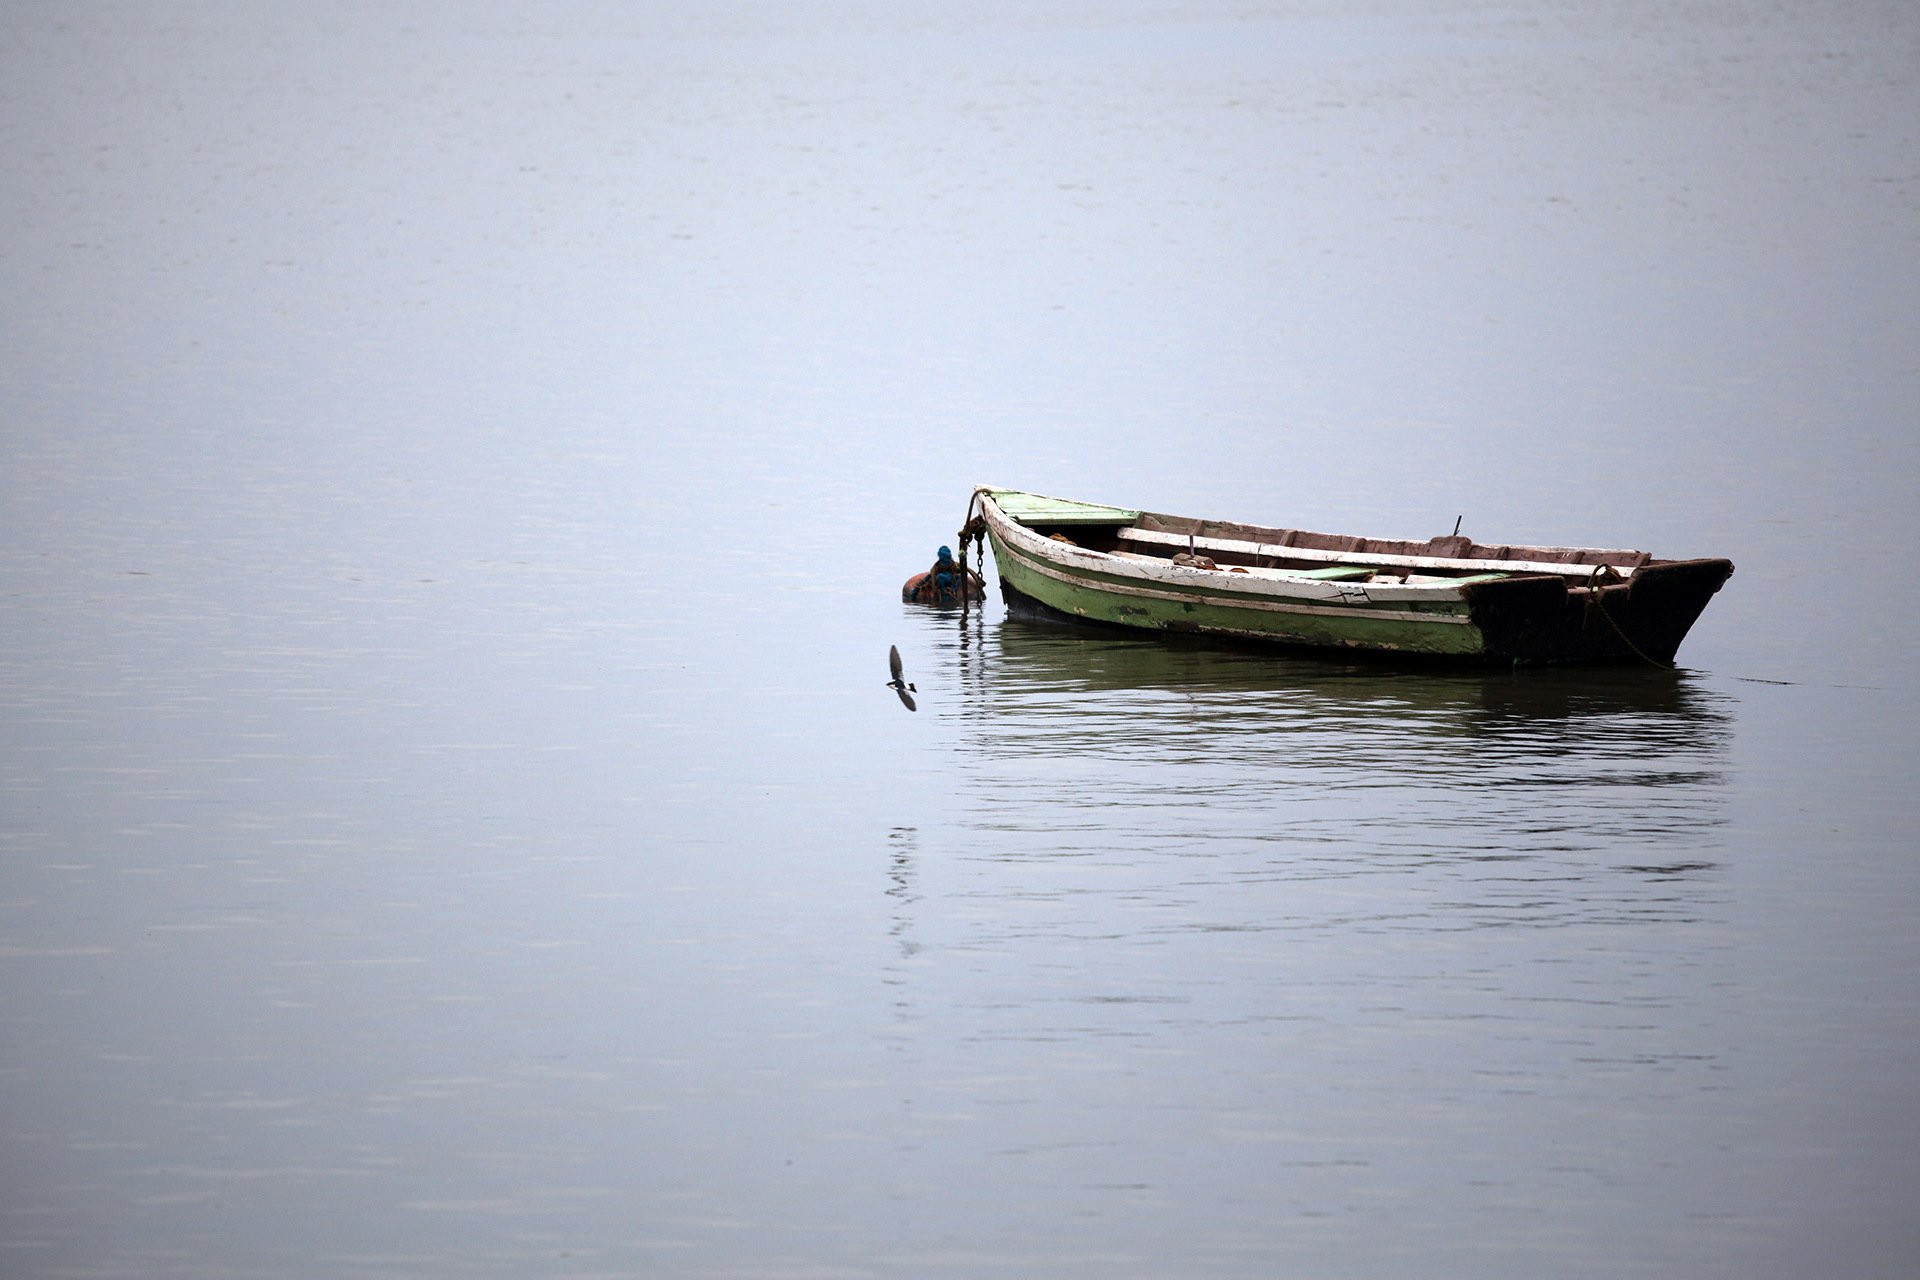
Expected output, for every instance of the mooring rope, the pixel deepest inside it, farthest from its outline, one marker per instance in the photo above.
(1597, 601)
(974, 526)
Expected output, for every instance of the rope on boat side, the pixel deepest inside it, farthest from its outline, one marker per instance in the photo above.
(1597, 602)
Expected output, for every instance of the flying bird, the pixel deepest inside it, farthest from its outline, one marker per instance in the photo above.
(897, 684)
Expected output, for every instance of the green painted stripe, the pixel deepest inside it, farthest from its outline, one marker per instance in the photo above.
(1440, 611)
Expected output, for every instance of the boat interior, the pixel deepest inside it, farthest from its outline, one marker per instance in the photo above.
(1297, 553)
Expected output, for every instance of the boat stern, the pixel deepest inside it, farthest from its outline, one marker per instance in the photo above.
(1540, 619)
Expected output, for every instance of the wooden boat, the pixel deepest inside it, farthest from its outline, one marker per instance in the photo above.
(1447, 597)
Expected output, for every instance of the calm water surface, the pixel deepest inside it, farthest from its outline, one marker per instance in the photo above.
(456, 469)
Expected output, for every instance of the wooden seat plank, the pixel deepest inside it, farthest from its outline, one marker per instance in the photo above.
(1201, 543)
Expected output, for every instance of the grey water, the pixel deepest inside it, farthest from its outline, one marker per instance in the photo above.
(457, 466)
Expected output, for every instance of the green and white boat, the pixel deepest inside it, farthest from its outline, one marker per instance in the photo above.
(1447, 597)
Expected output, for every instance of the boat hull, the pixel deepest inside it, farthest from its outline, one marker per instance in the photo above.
(1518, 619)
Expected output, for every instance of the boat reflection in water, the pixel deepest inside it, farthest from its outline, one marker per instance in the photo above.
(1538, 797)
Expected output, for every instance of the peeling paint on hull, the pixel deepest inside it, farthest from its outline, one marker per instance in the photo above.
(1096, 598)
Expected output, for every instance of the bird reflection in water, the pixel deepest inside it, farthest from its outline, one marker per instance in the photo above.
(902, 846)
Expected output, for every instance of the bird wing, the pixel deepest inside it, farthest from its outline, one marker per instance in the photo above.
(893, 660)
(906, 698)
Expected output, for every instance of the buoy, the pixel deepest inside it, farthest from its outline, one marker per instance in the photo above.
(942, 584)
